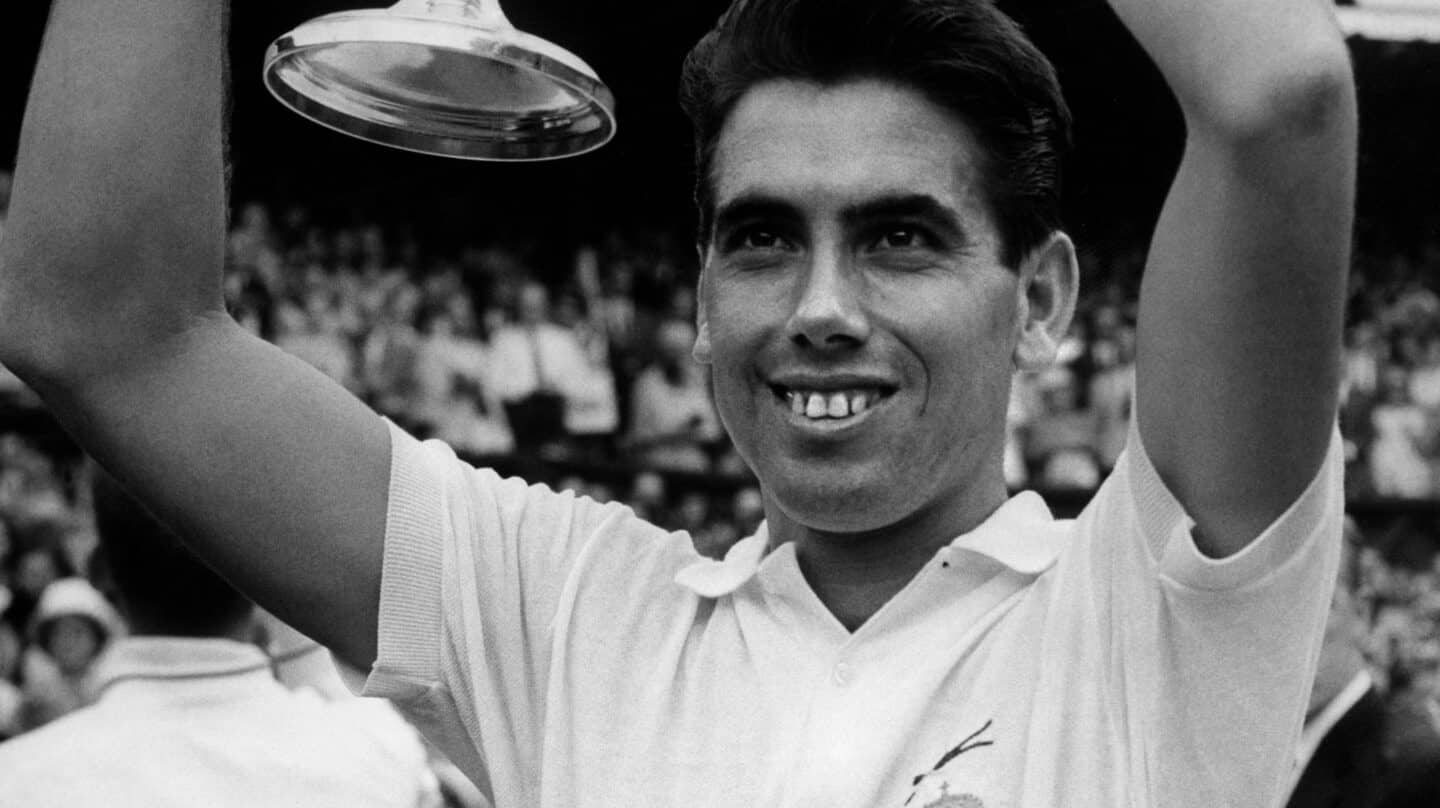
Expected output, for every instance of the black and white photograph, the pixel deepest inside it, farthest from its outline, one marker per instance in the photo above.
(727, 403)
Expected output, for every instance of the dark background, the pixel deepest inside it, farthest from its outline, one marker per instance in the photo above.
(1128, 131)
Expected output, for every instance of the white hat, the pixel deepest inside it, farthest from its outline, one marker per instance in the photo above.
(75, 596)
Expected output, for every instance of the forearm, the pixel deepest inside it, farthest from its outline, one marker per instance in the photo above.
(1246, 66)
(115, 235)
(1241, 306)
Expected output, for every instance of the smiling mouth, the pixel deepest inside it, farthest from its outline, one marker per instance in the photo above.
(830, 405)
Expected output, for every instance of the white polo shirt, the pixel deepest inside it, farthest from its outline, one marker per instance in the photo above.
(202, 722)
(566, 653)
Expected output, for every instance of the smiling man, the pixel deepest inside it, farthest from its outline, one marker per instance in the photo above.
(878, 184)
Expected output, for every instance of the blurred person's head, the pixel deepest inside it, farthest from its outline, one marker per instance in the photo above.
(693, 512)
(160, 586)
(461, 309)
(435, 320)
(347, 248)
(1395, 385)
(72, 624)
(573, 483)
(1057, 390)
(372, 246)
(402, 305)
(747, 508)
(35, 568)
(255, 217)
(647, 490)
(674, 342)
(1107, 317)
(290, 319)
(1364, 334)
(569, 308)
(682, 303)
(1105, 353)
(532, 305)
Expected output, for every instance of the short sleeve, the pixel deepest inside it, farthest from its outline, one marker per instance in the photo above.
(1211, 660)
(475, 567)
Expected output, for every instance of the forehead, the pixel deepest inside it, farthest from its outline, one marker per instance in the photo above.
(821, 144)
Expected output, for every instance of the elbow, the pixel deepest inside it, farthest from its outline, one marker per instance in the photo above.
(1307, 93)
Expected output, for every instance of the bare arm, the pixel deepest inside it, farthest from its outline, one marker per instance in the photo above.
(1242, 302)
(110, 306)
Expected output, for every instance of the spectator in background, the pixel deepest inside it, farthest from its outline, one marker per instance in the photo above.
(252, 237)
(581, 312)
(673, 419)
(29, 571)
(1060, 442)
(389, 355)
(1398, 466)
(313, 333)
(548, 386)
(71, 626)
(189, 712)
(747, 510)
(647, 497)
(456, 391)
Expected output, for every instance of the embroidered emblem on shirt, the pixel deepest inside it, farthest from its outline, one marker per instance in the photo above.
(947, 800)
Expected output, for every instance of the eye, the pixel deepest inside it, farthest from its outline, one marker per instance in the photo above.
(758, 238)
(754, 238)
(901, 238)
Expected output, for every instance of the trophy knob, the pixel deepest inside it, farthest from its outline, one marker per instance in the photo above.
(445, 77)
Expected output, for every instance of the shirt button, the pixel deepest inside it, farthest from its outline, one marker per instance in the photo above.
(843, 674)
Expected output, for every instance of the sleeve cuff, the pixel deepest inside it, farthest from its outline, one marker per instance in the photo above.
(1167, 527)
(407, 662)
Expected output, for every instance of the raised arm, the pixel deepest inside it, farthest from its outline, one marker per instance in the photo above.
(1241, 308)
(110, 307)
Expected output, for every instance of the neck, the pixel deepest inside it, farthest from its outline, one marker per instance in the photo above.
(856, 573)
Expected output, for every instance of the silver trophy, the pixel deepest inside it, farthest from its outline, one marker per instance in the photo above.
(445, 77)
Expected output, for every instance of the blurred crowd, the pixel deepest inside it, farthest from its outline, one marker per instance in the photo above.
(572, 367)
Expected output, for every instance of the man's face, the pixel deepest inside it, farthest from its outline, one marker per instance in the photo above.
(859, 322)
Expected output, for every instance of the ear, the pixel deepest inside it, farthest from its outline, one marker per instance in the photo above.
(701, 351)
(1045, 304)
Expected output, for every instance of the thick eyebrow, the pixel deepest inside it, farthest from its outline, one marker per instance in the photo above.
(759, 206)
(753, 206)
(918, 207)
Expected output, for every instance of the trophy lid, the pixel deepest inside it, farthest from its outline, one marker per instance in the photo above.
(446, 78)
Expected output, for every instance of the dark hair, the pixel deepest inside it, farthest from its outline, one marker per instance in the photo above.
(964, 55)
(160, 585)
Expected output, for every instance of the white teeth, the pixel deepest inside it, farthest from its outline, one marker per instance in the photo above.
(830, 405)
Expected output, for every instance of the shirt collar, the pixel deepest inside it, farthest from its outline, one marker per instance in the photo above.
(711, 578)
(172, 658)
(1021, 534)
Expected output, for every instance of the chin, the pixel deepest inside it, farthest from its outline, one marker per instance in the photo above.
(840, 503)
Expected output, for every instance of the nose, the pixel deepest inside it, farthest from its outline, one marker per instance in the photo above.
(830, 307)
